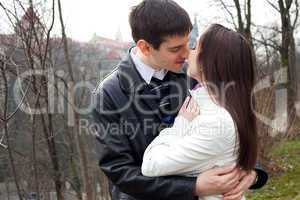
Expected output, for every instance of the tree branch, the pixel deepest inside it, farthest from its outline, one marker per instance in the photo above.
(225, 7)
(288, 4)
(273, 6)
(276, 47)
(248, 15)
(296, 15)
(239, 15)
(276, 29)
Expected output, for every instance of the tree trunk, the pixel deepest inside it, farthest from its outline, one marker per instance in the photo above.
(80, 145)
(5, 115)
(287, 53)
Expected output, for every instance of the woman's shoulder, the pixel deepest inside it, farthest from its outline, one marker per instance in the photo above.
(216, 125)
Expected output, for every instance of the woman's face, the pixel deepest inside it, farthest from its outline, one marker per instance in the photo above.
(194, 70)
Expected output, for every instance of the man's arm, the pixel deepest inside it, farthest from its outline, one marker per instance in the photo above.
(118, 163)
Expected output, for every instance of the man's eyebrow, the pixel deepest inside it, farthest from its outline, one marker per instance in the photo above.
(176, 47)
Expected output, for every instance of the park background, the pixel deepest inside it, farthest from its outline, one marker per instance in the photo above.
(72, 45)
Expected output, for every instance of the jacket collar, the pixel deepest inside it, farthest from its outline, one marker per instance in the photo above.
(130, 79)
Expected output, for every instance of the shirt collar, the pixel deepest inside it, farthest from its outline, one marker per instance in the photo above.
(145, 70)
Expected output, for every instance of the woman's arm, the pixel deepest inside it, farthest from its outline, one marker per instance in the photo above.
(185, 147)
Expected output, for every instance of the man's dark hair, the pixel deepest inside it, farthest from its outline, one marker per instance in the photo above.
(153, 20)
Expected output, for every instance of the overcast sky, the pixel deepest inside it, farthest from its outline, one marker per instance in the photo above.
(83, 18)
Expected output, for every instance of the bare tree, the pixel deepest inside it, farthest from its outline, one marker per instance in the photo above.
(79, 142)
(240, 15)
(289, 15)
(58, 153)
(5, 120)
(33, 38)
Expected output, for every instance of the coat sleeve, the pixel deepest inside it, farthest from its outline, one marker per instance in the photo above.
(262, 177)
(183, 148)
(116, 159)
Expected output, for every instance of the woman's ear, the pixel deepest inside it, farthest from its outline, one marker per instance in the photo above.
(144, 47)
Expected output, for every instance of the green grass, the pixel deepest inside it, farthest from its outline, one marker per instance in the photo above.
(284, 186)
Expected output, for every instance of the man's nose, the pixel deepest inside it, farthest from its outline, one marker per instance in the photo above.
(186, 52)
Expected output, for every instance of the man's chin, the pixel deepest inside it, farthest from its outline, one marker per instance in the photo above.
(176, 68)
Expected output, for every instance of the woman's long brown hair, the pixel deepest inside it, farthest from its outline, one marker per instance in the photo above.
(226, 59)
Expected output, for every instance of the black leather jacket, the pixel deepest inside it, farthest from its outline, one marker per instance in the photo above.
(124, 132)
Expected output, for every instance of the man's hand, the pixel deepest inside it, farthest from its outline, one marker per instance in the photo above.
(218, 181)
(246, 181)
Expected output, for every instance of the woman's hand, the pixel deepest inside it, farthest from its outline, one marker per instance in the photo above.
(189, 110)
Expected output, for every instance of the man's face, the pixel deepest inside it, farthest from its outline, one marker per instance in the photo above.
(171, 54)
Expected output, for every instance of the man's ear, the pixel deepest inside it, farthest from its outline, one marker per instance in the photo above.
(144, 46)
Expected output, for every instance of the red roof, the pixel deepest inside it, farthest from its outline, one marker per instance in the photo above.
(7, 39)
(111, 43)
(113, 55)
(30, 15)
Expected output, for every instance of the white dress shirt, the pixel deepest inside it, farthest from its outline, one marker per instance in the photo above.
(146, 71)
(189, 148)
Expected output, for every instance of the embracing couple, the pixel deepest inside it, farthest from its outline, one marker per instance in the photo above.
(176, 131)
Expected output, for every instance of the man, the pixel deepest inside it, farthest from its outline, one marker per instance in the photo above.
(132, 107)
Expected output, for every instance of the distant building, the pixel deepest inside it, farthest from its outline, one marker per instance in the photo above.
(99, 54)
(109, 43)
(194, 34)
(113, 50)
(119, 37)
(30, 21)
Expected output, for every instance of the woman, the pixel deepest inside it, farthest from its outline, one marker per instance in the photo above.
(216, 126)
